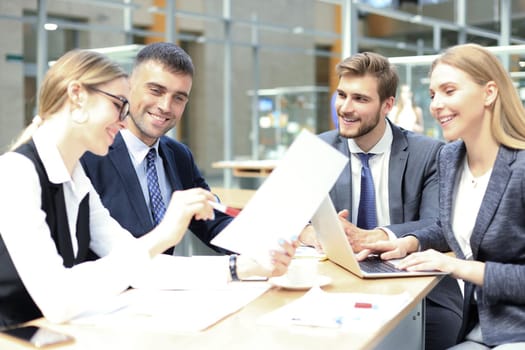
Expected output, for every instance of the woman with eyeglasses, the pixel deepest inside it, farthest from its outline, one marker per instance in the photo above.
(51, 218)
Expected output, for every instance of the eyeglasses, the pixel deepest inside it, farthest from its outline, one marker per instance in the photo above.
(124, 107)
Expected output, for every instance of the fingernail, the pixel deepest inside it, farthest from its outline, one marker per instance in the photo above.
(281, 241)
(295, 238)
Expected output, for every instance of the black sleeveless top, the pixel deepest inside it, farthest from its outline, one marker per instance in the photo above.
(16, 305)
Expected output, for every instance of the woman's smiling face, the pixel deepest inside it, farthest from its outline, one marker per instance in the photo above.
(457, 102)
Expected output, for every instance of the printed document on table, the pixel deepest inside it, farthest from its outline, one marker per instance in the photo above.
(321, 309)
(287, 199)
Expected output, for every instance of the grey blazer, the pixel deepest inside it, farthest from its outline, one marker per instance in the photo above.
(498, 239)
(413, 194)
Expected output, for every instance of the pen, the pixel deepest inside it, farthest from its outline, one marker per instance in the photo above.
(224, 209)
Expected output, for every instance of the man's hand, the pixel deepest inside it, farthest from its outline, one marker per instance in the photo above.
(308, 237)
(357, 236)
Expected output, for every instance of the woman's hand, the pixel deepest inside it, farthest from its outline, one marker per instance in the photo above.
(183, 207)
(428, 260)
(468, 270)
(280, 259)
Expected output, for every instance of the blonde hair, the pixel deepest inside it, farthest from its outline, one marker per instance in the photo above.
(508, 114)
(90, 68)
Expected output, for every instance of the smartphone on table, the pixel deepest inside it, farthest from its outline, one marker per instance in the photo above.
(38, 337)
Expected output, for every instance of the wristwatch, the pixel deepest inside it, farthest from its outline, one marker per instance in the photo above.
(233, 267)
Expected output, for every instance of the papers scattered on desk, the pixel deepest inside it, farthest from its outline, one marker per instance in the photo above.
(318, 308)
(174, 311)
(287, 199)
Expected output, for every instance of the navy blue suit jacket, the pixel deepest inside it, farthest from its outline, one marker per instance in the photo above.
(413, 194)
(116, 181)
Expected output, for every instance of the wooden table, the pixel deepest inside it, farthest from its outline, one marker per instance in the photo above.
(241, 330)
(247, 168)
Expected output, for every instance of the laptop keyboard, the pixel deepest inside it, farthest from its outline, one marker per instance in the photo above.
(374, 264)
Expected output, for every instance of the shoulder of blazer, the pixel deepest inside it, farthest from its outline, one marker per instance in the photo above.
(178, 148)
(409, 140)
(331, 137)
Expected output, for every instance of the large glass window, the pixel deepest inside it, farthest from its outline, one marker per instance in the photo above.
(60, 40)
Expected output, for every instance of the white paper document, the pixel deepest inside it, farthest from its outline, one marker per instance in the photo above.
(287, 199)
(173, 310)
(318, 308)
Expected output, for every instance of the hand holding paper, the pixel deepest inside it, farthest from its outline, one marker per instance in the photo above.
(286, 201)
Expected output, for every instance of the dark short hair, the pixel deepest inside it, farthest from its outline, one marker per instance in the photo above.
(171, 56)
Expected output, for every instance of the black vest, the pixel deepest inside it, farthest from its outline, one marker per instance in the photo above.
(16, 305)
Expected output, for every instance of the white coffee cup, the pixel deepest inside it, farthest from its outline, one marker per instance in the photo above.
(302, 272)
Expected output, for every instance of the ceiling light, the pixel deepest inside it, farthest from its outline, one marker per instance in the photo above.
(50, 26)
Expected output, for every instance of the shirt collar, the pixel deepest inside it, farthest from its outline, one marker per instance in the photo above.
(136, 147)
(382, 146)
(46, 145)
(45, 140)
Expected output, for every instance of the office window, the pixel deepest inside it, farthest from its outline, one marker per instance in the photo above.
(60, 41)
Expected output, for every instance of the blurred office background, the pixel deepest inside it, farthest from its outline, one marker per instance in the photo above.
(264, 69)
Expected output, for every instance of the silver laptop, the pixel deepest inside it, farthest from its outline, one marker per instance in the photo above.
(337, 248)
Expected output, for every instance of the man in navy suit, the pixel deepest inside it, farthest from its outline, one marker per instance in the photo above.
(160, 87)
(403, 167)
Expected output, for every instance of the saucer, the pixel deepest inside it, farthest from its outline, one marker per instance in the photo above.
(284, 282)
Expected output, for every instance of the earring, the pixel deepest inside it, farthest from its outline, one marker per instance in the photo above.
(79, 115)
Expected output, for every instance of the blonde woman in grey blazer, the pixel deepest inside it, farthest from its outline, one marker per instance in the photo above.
(482, 197)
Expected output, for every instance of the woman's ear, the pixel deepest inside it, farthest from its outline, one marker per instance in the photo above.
(491, 93)
(76, 93)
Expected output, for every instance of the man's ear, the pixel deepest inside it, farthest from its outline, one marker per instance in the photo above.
(388, 104)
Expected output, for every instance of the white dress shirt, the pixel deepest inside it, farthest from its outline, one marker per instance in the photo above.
(138, 151)
(379, 167)
(467, 201)
(62, 293)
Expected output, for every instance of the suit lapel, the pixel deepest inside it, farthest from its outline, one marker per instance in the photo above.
(170, 165)
(341, 193)
(119, 156)
(450, 162)
(397, 165)
(499, 179)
